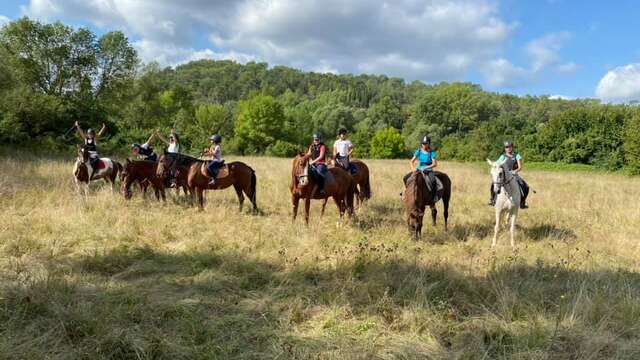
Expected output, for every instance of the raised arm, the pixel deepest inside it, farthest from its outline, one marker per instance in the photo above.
(150, 139)
(162, 138)
(80, 132)
(103, 129)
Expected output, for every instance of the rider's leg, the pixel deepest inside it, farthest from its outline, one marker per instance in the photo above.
(212, 169)
(433, 184)
(525, 192)
(492, 198)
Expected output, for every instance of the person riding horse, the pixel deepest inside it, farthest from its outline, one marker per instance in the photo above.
(173, 147)
(317, 151)
(426, 161)
(90, 139)
(342, 150)
(215, 151)
(145, 151)
(512, 163)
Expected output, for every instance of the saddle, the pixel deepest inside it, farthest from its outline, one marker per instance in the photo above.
(439, 186)
(223, 170)
(345, 164)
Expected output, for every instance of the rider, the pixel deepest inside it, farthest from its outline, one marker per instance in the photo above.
(173, 147)
(513, 163)
(90, 139)
(215, 151)
(426, 159)
(317, 151)
(342, 150)
(145, 151)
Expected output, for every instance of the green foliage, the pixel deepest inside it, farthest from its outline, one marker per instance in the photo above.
(387, 144)
(283, 149)
(259, 124)
(632, 143)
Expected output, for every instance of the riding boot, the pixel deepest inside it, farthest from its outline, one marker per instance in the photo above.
(492, 198)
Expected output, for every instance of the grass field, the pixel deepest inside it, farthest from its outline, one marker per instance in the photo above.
(142, 280)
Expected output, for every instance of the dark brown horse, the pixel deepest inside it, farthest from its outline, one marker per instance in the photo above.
(106, 169)
(417, 197)
(361, 178)
(142, 172)
(236, 173)
(339, 185)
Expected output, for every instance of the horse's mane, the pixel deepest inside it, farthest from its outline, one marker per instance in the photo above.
(415, 189)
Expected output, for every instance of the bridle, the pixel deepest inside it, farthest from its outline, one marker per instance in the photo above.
(502, 179)
(303, 178)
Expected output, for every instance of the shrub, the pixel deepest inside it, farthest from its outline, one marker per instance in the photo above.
(387, 144)
(282, 149)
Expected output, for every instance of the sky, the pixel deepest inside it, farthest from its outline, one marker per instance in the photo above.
(560, 48)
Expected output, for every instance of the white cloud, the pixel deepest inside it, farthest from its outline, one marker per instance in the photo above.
(561, 97)
(568, 68)
(544, 50)
(433, 40)
(4, 20)
(502, 73)
(621, 84)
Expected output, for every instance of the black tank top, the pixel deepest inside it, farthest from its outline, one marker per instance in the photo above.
(90, 144)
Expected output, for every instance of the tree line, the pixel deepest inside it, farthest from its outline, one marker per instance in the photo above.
(52, 75)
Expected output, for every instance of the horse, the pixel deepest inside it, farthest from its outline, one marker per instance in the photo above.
(236, 173)
(505, 185)
(361, 179)
(107, 169)
(417, 196)
(144, 173)
(339, 185)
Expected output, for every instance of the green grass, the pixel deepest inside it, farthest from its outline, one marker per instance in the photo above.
(130, 280)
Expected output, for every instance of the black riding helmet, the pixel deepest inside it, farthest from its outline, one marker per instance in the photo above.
(135, 146)
(317, 136)
(426, 140)
(91, 132)
(216, 138)
(342, 131)
(508, 143)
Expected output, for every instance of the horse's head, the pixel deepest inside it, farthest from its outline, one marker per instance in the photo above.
(414, 203)
(300, 171)
(82, 154)
(126, 179)
(498, 174)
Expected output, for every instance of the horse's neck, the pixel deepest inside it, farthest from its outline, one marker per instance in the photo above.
(511, 188)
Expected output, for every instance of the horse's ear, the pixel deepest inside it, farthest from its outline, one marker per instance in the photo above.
(489, 162)
(128, 161)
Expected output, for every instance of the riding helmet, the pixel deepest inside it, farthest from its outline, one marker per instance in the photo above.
(508, 143)
(216, 138)
(317, 136)
(426, 140)
(342, 131)
(135, 145)
(91, 132)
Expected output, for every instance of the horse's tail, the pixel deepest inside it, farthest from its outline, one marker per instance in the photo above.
(365, 191)
(117, 167)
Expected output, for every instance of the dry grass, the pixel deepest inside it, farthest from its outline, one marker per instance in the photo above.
(117, 279)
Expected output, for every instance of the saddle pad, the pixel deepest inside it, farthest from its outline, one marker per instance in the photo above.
(223, 171)
(101, 164)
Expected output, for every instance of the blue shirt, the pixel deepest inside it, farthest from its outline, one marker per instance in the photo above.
(425, 158)
(503, 157)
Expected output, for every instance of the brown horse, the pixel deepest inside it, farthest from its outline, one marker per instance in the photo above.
(339, 185)
(107, 169)
(417, 196)
(144, 173)
(238, 174)
(361, 179)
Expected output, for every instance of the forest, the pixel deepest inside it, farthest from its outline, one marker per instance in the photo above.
(52, 75)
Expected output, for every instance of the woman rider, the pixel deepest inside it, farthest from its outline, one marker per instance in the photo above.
(90, 139)
(342, 150)
(215, 151)
(173, 147)
(426, 161)
(317, 152)
(145, 151)
(513, 163)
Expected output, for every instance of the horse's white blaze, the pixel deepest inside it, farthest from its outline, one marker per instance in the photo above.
(507, 199)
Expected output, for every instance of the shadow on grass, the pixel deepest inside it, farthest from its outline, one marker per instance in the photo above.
(136, 302)
(545, 231)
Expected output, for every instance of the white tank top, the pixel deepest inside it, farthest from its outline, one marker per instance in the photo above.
(173, 148)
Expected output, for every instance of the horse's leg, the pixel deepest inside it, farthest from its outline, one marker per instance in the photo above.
(434, 213)
(512, 225)
(200, 195)
(341, 207)
(496, 228)
(324, 205)
(307, 206)
(238, 190)
(295, 201)
(445, 202)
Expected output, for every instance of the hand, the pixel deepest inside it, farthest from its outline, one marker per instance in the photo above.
(76, 124)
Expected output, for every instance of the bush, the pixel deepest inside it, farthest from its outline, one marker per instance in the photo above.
(387, 144)
(632, 144)
(282, 149)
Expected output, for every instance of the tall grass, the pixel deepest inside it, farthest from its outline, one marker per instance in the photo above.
(139, 279)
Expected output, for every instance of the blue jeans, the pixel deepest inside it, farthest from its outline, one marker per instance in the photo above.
(213, 168)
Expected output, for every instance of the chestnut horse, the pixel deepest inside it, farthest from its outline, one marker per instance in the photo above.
(107, 169)
(339, 185)
(361, 178)
(144, 173)
(236, 173)
(417, 196)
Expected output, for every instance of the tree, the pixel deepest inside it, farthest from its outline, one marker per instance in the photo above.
(386, 113)
(632, 143)
(259, 124)
(387, 144)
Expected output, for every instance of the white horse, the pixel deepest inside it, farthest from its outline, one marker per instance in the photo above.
(507, 190)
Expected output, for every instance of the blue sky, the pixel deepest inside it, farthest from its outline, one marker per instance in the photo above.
(544, 47)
